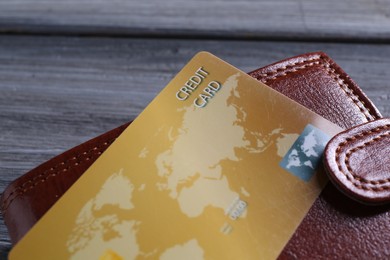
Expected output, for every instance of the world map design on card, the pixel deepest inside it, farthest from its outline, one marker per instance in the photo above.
(218, 166)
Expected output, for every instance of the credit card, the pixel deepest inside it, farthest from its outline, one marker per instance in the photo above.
(218, 166)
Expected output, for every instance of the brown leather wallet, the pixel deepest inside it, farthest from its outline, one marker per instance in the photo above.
(335, 227)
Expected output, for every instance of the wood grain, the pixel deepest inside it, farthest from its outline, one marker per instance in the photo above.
(349, 20)
(56, 92)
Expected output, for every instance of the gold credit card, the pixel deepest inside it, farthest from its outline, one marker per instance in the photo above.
(218, 166)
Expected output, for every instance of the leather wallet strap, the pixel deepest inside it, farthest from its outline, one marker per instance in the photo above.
(358, 162)
(335, 227)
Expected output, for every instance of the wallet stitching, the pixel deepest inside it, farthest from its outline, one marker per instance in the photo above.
(46, 175)
(350, 92)
(354, 179)
(333, 73)
(312, 61)
(285, 67)
(292, 68)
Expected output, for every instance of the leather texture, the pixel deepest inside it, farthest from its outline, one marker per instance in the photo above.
(335, 226)
(358, 162)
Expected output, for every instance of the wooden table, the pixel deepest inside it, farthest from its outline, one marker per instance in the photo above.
(71, 70)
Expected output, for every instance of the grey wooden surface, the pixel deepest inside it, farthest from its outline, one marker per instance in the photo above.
(70, 70)
(350, 20)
